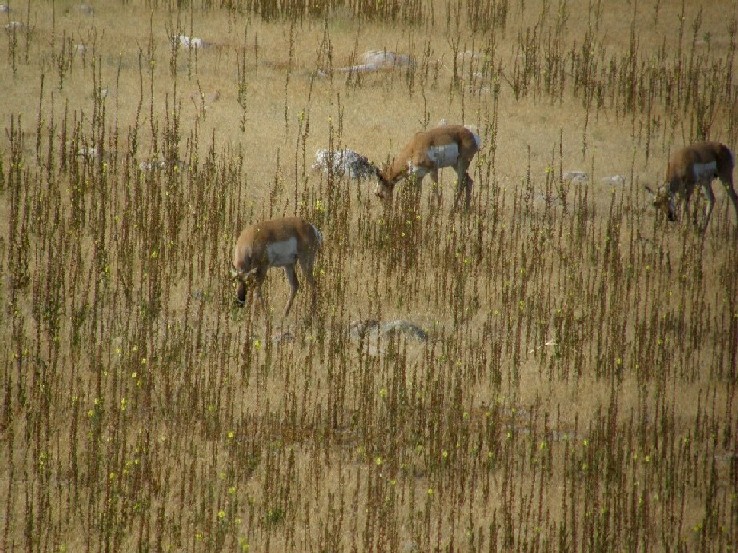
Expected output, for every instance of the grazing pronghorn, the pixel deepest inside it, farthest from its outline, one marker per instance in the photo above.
(427, 152)
(697, 164)
(275, 243)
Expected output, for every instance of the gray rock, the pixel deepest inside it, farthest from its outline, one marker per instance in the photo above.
(579, 177)
(85, 9)
(343, 162)
(375, 60)
(283, 337)
(371, 328)
(404, 327)
(190, 42)
(359, 329)
(617, 180)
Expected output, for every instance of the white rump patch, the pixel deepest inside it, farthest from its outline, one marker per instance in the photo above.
(704, 171)
(318, 234)
(416, 170)
(282, 253)
(444, 156)
(477, 140)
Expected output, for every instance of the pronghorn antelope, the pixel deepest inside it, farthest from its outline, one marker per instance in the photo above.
(427, 152)
(275, 243)
(697, 164)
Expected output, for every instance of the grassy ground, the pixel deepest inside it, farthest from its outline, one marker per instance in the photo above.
(576, 386)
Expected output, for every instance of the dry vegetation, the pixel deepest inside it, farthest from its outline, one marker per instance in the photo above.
(576, 385)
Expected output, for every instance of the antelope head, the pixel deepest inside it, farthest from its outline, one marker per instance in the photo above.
(663, 201)
(241, 281)
(384, 186)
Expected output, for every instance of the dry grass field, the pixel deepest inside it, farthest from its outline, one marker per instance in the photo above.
(553, 369)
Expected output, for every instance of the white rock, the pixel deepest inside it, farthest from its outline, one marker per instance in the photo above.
(384, 58)
(85, 9)
(344, 162)
(190, 42)
(159, 165)
(88, 152)
(575, 176)
(470, 55)
(375, 60)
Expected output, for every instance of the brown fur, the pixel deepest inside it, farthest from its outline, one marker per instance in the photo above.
(251, 259)
(681, 183)
(416, 152)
